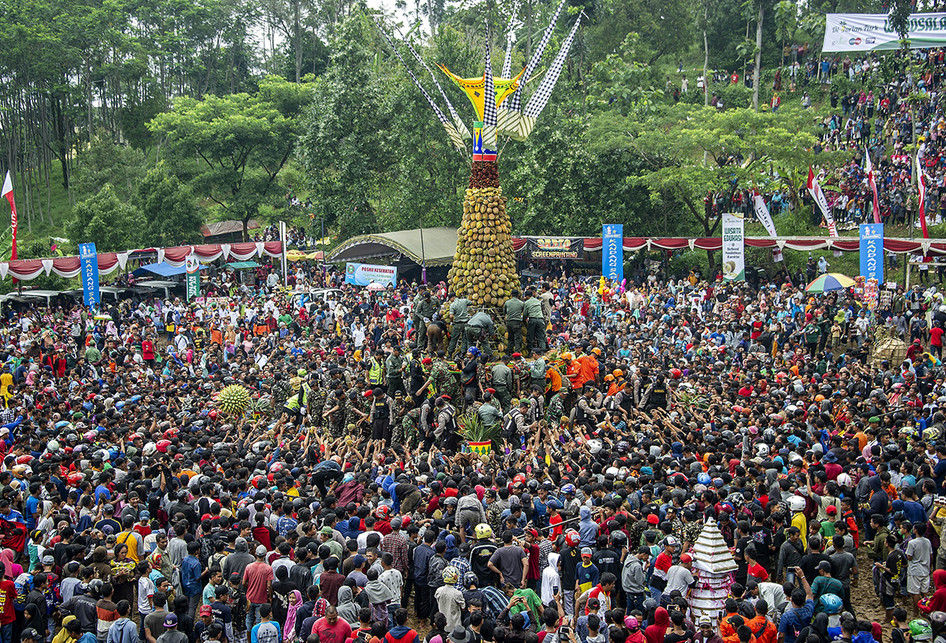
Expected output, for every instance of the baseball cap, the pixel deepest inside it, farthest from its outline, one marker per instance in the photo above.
(261, 550)
(824, 566)
(671, 541)
(586, 551)
(29, 633)
(170, 620)
(705, 620)
(48, 560)
(326, 531)
(206, 610)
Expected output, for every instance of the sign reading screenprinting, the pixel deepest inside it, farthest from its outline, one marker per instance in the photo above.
(362, 274)
(89, 269)
(555, 247)
(734, 248)
(873, 32)
(612, 251)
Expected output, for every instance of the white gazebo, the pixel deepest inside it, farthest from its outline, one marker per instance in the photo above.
(714, 566)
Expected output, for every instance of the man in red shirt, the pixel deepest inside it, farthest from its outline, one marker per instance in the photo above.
(936, 340)
(330, 628)
(7, 613)
(662, 565)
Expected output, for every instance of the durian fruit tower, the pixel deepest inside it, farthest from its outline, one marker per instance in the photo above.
(484, 266)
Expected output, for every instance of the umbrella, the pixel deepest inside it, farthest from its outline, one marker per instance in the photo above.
(375, 286)
(830, 281)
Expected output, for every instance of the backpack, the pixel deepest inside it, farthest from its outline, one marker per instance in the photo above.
(23, 584)
(509, 422)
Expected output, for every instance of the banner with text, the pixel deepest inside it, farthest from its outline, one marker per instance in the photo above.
(873, 32)
(555, 247)
(362, 274)
(192, 268)
(872, 260)
(612, 251)
(734, 247)
(89, 269)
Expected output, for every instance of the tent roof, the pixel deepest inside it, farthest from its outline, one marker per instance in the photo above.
(227, 227)
(439, 246)
(162, 269)
(242, 265)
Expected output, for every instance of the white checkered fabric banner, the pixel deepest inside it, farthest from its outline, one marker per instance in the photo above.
(515, 101)
(540, 98)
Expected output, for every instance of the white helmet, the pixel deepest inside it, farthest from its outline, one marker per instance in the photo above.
(762, 449)
(53, 446)
(796, 503)
(594, 446)
(611, 471)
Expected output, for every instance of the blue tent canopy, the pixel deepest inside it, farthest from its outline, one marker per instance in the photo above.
(163, 269)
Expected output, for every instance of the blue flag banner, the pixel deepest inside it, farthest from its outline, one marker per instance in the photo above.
(612, 251)
(872, 251)
(89, 269)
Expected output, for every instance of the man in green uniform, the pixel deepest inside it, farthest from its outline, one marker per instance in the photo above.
(478, 331)
(425, 306)
(460, 312)
(407, 431)
(501, 376)
(554, 411)
(488, 412)
(355, 413)
(442, 380)
(395, 367)
(535, 323)
(514, 309)
(335, 410)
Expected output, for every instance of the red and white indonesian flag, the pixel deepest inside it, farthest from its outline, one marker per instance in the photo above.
(8, 193)
(818, 195)
(921, 185)
(869, 168)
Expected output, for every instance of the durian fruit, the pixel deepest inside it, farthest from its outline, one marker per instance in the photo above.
(484, 266)
(234, 400)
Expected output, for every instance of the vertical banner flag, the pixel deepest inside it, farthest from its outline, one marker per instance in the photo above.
(869, 169)
(89, 269)
(285, 267)
(734, 247)
(192, 267)
(921, 185)
(612, 251)
(872, 260)
(872, 251)
(8, 193)
(814, 189)
(762, 214)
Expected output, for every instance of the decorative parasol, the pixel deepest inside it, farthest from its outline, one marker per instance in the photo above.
(830, 281)
(374, 286)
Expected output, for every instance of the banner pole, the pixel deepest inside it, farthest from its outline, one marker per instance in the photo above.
(285, 267)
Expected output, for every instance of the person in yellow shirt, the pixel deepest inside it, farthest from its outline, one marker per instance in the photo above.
(6, 386)
(796, 505)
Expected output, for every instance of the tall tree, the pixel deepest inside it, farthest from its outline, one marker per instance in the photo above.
(241, 143)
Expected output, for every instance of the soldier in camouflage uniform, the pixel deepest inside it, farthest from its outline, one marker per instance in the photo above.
(442, 379)
(407, 432)
(281, 391)
(335, 405)
(317, 399)
(554, 411)
(355, 413)
(520, 377)
(495, 509)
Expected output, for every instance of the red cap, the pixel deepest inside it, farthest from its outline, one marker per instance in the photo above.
(532, 531)
(206, 610)
(831, 510)
(653, 519)
(686, 558)
(426, 361)
(517, 354)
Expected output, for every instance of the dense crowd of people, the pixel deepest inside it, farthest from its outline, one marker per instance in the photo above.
(344, 505)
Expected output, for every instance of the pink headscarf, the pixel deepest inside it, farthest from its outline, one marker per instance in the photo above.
(289, 632)
(9, 567)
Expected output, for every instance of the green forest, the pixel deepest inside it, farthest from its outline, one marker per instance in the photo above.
(133, 122)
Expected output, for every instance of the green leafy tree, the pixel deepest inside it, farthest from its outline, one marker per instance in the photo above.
(169, 208)
(345, 147)
(241, 143)
(108, 221)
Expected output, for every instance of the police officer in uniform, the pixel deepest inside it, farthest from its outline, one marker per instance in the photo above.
(381, 416)
(656, 396)
(587, 411)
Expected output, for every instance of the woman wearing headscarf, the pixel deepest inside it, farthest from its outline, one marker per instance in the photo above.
(817, 632)
(655, 633)
(295, 602)
(937, 602)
